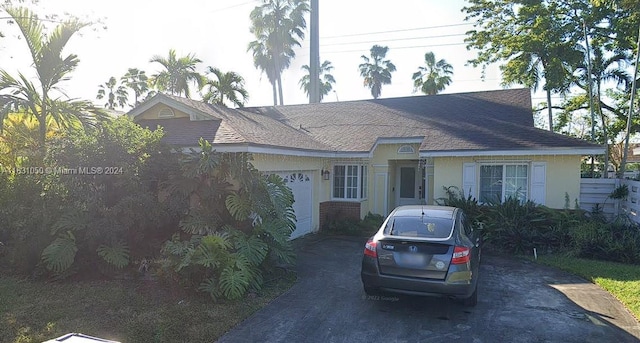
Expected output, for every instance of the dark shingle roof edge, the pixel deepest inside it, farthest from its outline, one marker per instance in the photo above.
(288, 151)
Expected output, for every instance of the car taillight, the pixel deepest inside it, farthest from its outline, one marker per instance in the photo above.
(370, 248)
(461, 255)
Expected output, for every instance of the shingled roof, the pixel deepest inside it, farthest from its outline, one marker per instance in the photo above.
(486, 121)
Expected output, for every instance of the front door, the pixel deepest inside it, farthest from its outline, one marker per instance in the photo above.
(408, 185)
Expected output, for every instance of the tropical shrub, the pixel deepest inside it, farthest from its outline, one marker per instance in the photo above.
(618, 241)
(353, 227)
(237, 224)
(105, 210)
(456, 198)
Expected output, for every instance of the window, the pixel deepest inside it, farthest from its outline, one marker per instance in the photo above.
(350, 181)
(406, 149)
(500, 182)
(165, 113)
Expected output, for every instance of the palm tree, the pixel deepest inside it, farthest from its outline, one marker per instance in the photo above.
(376, 71)
(227, 86)
(43, 99)
(116, 96)
(433, 77)
(262, 61)
(178, 73)
(326, 80)
(604, 68)
(137, 81)
(278, 26)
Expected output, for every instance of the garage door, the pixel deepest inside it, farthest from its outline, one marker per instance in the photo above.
(301, 184)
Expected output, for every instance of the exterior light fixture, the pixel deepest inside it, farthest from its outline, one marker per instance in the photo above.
(325, 174)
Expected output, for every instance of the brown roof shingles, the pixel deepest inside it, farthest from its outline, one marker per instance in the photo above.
(491, 120)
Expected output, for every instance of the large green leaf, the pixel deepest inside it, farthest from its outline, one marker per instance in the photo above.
(60, 254)
(213, 251)
(210, 285)
(116, 254)
(239, 205)
(253, 248)
(71, 221)
(233, 282)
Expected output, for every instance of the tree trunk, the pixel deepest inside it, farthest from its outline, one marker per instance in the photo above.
(275, 93)
(280, 88)
(42, 126)
(278, 72)
(550, 111)
(605, 171)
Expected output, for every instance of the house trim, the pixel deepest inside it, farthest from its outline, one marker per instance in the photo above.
(194, 114)
(544, 152)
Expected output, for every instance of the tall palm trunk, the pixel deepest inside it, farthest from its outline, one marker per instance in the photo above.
(275, 92)
(276, 62)
(280, 89)
(605, 172)
(42, 125)
(550, 111)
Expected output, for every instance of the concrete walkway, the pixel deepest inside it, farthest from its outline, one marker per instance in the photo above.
(519, 301)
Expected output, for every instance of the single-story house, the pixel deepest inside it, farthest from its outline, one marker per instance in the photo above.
(346, 159)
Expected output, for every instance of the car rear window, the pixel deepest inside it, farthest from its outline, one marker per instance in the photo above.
(423, 227)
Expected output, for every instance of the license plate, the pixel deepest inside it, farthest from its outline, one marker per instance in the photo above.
(411, 259)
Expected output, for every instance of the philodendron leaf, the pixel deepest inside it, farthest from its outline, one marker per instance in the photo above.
(117, 254)
(60, 254)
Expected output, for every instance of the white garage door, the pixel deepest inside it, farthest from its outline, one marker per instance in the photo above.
(301, 184)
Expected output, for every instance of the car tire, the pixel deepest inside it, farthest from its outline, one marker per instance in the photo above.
(472, 300)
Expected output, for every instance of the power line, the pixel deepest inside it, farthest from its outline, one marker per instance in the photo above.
(394, 40)
(399, 30)
(395, 48)
(230, 7)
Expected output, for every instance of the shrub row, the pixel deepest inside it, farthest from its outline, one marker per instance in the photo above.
(514, 226)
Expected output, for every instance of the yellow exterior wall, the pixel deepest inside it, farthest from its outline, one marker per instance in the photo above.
(562, 175)
(152, 113)
(384, 160)
(386, 152)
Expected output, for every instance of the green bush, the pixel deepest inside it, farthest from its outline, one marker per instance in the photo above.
(617, 241)
(352, 227)
(456, 198)
(236, 228)
(519, 227)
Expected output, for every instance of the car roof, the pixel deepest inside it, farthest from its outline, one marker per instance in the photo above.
(444, 212)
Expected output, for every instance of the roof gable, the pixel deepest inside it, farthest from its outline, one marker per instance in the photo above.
(499, 120)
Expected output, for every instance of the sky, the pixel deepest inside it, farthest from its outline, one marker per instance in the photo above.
(131, 32)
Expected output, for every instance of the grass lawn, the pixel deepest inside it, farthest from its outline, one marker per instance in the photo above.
(127, 311)
(621, 280)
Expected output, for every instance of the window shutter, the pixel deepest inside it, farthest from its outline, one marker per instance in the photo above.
(538, 182)
(469, 179)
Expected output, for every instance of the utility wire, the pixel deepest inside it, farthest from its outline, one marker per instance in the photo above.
(394, 40)
(230, 7)
(395, 48)
(399, 30)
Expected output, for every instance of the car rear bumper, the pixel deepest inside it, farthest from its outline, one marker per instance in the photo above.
(371, 278)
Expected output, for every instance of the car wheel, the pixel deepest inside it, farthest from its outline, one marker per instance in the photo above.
(473, 299)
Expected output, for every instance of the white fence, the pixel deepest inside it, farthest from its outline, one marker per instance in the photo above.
(595, 192)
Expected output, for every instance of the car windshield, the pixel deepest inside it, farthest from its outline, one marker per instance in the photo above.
(423, 227)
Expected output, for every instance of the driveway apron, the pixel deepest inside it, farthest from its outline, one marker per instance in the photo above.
(518, 301)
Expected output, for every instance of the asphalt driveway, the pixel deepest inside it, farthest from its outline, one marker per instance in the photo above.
(518, 301)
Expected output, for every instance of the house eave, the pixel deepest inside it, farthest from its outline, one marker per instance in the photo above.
(554, 151)
(286, 151)
(160, 98)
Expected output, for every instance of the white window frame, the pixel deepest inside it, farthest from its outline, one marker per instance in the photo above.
(504, 165)
(361, 182)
